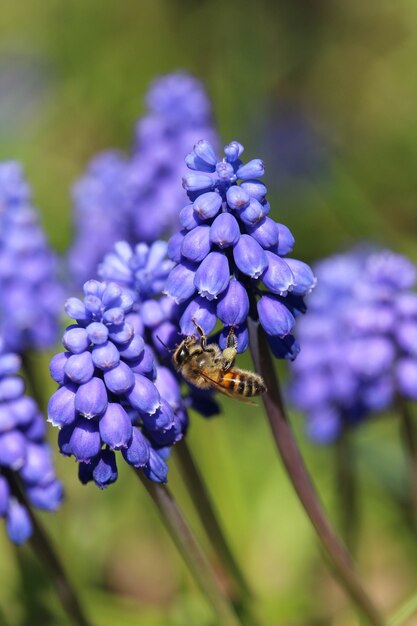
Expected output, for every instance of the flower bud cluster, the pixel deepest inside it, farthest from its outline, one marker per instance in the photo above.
(108, 399)
(359, 341)
(229, 254)
(24, 453)
(30, 294)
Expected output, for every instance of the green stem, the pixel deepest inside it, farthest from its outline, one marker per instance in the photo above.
(409, 438)
(190, 551)
(347, 492)
(299, 476)
(46, 553)
(209, 520)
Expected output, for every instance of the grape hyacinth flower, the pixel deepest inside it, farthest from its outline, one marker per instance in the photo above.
(229, 254)
(179, 114)
(23, 452)
(359, 341)
(107, 399)
(30, 294)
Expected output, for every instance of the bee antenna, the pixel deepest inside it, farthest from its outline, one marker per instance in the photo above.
(164, 344)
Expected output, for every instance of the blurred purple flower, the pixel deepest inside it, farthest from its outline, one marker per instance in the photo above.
(359, 341)
(30, 294)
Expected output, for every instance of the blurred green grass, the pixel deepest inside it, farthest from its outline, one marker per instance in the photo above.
(348, 70)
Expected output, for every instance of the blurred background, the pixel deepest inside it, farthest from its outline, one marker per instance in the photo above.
(326, 93)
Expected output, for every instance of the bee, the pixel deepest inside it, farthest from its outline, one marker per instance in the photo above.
(209, 367)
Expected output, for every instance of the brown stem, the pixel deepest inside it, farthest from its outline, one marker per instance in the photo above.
(346, 486)
(190, 551)
(299, 476)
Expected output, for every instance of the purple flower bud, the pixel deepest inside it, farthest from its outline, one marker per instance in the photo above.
(122, 333)
(79, 367)
(197, 182)
(174, 246)
(57, 367)
(203, 312)
(189, 218)
(151, 313)
(255, 188)
(224, 231)
(225, 172)
(406, 335)
(207, 205)
(237, 197)
(251, 169)
(105, 469)
(64, 438)
(93, 305)
(407, 377)
(233, 307)
(165, 335)
(324, 425)
(76, 339)
(9, 364)
(304, 279)
(38, 467)
(278, 277)
(196, 243)
(47, 497)
(144, 396)
(233, 150)
(114, 316)
(13, 449)
(274, 316)
(91, 398)
(11, 387)
(145, 364)
(105, 356)
(253, 213)
(133, 349)
(212, 275)
(4, 496)
(205, 152)
(156, 469)
(97, 332)
(75, 308)
(180, 284)
(18, 524)
(265, 232)
(138, 451)
(61, 406)
(120, 379)
(168, 387)
(115, 427)
(162, 420)
(249, 257)
(406, 304)
(285, 240)
(242, 338)
(85, 441)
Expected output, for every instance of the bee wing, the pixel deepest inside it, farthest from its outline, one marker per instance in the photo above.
(225, 391)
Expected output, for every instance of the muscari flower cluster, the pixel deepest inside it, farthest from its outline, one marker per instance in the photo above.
(359, 341)
(30, 293)
(108, 399)
(137, 197)
(229, 254)
(24, 452)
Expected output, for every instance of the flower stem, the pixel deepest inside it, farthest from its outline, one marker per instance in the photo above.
(299, 476)
(347, 492)
(46, 553)
(409, 438)
(190, 551)
(403, 614)
(201, 498)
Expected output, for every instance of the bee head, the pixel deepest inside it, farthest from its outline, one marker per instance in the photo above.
(181, 353)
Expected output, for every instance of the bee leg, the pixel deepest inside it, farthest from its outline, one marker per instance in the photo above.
(203, 338)
(229, 353)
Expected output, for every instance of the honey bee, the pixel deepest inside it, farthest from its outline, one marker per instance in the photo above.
(209, 367)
